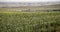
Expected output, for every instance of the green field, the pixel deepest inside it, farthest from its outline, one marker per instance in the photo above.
(30, 22)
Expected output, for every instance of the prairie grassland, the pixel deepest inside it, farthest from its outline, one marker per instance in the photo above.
(29, 21)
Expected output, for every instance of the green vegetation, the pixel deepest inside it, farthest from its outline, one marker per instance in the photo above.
(30, 22)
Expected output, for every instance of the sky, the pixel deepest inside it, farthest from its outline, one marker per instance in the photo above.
(29, 0)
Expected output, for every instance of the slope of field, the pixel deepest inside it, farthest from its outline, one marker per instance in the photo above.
(32, 8)
(30, 22)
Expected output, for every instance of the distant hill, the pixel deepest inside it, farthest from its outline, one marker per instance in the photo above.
(29, 4)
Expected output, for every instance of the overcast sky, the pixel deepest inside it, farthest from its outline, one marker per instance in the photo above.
(28, 0)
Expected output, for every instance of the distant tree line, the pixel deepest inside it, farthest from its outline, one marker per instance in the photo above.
(57, 10)
(30, 10)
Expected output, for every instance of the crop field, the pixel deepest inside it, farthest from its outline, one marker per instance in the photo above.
(30, 22)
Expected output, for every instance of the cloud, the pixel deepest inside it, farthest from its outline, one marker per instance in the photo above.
(28, 0)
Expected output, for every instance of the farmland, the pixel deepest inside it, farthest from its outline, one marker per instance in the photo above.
(28, 8)
(29, 17)
(29, 21)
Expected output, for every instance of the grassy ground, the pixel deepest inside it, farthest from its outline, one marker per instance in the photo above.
(30, 22)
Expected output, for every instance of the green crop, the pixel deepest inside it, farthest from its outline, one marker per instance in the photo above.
(30, 22)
